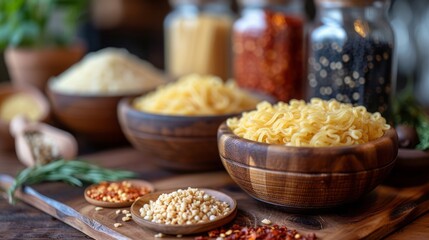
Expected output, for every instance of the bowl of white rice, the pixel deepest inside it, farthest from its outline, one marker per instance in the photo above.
(85, 97)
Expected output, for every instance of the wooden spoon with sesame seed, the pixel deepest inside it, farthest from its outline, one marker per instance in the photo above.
(184, 229)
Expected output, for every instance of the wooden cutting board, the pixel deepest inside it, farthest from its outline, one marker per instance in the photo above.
(383, 211)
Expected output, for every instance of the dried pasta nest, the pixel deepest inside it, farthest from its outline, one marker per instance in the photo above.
(318, 123)
(196, 95)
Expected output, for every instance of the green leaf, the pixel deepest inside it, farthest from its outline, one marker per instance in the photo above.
(408, 111)
(27, 22)
(72, 172)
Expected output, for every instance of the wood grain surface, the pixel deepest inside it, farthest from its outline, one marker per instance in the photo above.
(307, 178)
(168, 125)
(176, 142)
(90, 116)
(340, 159)
(305, 192)
(382, 212)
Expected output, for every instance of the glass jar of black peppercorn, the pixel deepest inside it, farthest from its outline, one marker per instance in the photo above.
(351, 54)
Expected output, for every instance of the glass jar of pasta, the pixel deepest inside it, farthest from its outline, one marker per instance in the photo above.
(197, 38)
(351, 54)
(268, 47)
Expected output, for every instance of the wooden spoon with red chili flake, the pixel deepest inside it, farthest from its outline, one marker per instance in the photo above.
(117, 194)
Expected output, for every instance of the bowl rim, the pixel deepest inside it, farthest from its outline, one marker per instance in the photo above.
(351, 158)
(52, 90)
(175, 138)
(126, 103)
(389, 133)
(306, 174)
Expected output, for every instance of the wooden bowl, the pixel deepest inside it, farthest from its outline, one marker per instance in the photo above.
(411, 168)
(93, 117)
(183, 228)
(176, 142)
(7, 90)
(303, 178)
(413, 159)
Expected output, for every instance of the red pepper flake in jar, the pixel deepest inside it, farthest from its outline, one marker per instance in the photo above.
(274, 232)
(268, 50)
(116, 192)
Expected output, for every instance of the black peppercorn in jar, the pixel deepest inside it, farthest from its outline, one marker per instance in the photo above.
(351, 54)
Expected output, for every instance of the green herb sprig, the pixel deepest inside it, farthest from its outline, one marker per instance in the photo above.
(73, 172)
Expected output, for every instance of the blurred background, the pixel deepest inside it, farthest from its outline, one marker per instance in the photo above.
(137, 25)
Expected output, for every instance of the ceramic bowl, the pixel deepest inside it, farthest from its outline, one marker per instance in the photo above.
(7, 90)
(175, 142)
(303, 178)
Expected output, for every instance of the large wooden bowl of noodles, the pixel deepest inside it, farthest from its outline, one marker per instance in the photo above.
(307, 178)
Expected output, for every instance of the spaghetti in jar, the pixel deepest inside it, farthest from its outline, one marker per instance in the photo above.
(197, 38)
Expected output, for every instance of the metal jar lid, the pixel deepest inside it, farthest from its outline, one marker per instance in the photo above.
(196, 2)
(262, 2)
(346, 3)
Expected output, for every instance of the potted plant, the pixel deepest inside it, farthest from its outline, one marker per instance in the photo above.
(39, 38)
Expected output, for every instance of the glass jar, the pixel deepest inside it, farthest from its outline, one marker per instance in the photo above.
(198, 36)
(268, 47)
(351, 54)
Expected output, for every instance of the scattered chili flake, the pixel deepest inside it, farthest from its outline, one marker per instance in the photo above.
(274, 232)
(116, 192)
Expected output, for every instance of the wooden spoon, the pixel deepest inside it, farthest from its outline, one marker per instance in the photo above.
(134, 182)
(183, 228)
(64, 141)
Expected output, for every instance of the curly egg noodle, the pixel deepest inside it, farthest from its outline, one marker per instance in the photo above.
(196, 95)
(316, 124)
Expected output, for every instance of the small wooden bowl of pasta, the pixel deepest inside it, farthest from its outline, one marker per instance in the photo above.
(181, 143)
(176, 125)
(304, 177)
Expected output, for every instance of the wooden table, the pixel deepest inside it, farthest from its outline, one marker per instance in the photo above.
(23, 221)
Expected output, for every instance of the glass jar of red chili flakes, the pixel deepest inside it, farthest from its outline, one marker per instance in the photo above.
(268, 47)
